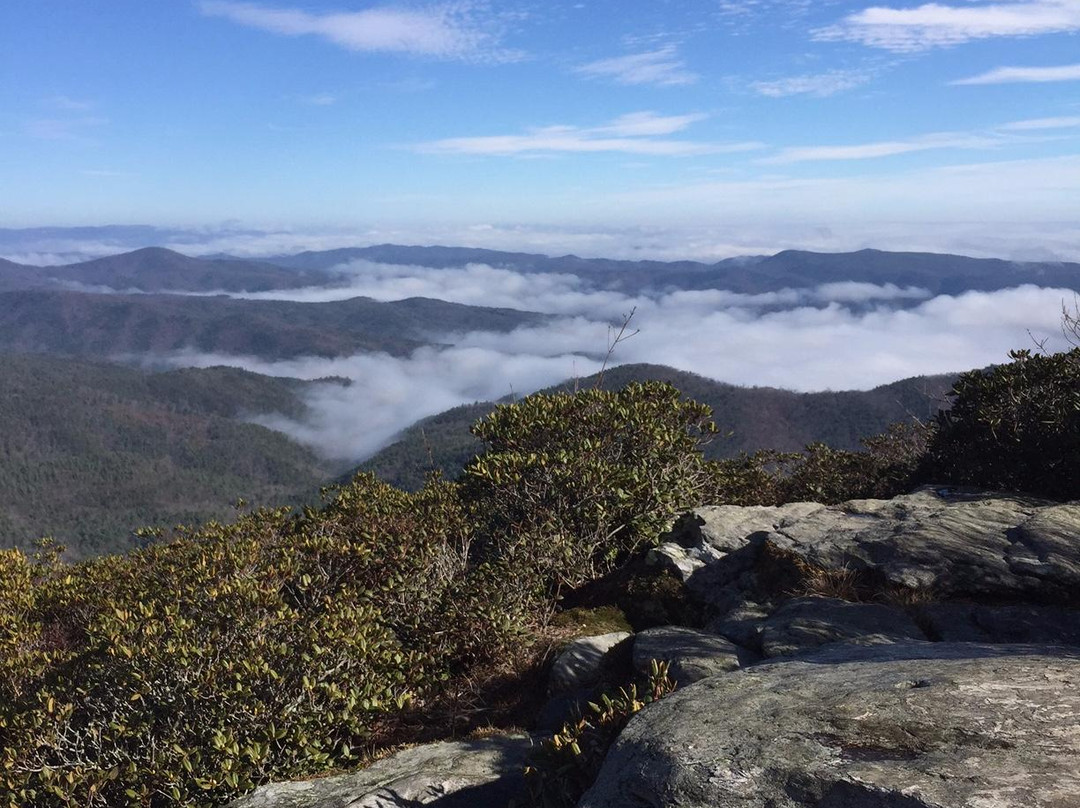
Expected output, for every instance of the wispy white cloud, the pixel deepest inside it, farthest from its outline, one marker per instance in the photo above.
(1011, 75)
(820, 85)
(645, 124)
(1037, 124)
(662, 68)
(935, 25)
(887, 148)
(452, 30)
(636, 133)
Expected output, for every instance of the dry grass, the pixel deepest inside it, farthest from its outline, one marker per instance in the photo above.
(788, 573)
(843, 583)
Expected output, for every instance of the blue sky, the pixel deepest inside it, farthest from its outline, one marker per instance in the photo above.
(770, 117)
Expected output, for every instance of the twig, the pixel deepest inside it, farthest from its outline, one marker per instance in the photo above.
(621, 336)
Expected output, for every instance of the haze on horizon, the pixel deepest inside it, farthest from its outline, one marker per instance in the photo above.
(692, 128)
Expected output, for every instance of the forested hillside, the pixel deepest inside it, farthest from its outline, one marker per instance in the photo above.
(153, 269)
(749, 419)
(106, 325)
(89, 452)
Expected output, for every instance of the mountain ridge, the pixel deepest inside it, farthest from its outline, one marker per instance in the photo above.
(157, 269)
(94, 450)
(938, 273)
(88, 324)
(748, 419)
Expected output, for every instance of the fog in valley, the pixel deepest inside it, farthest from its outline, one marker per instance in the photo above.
(834, 336)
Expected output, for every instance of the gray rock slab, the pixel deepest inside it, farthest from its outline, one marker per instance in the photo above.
(727, 528)
(951, 545)
(926, 725)
(581, 663)
(693, 654)
(803, 624)
(993, 546)
(462, 774)
(1010, 623)
(676, 559)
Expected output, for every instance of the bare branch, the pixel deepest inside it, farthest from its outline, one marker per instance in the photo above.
(620, 336)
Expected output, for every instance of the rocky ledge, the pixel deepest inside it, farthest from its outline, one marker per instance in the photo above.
(918, 652)
(900, 726)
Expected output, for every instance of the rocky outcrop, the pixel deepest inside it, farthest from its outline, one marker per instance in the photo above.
(580, 665)
(1007, 623)
(922, 652)
(926, 725)
(940, 543)
(464, 774)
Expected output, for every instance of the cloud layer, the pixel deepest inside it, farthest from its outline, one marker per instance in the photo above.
(988, 236)
(834, 336)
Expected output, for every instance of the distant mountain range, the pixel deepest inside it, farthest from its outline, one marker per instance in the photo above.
(938, 274)
(155, 269)
(749, 418)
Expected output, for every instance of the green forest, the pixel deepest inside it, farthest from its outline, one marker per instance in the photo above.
(89, 452)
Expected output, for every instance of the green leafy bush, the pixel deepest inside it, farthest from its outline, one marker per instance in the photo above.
(887, 466)
(1013, 427)
(189, 672)
(572, 483)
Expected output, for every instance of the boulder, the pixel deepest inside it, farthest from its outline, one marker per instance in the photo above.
(580, 664)
(693, 654)
(806, 623)
(924, 725)
(715, 545)
(944, 543)
(483, 773)
(717, 530)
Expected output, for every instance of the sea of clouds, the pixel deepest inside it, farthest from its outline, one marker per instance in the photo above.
(834, 336)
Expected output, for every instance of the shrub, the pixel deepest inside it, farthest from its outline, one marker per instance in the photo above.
(572, 483)
(887, 466)
(189, 672)
(1013, 427)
